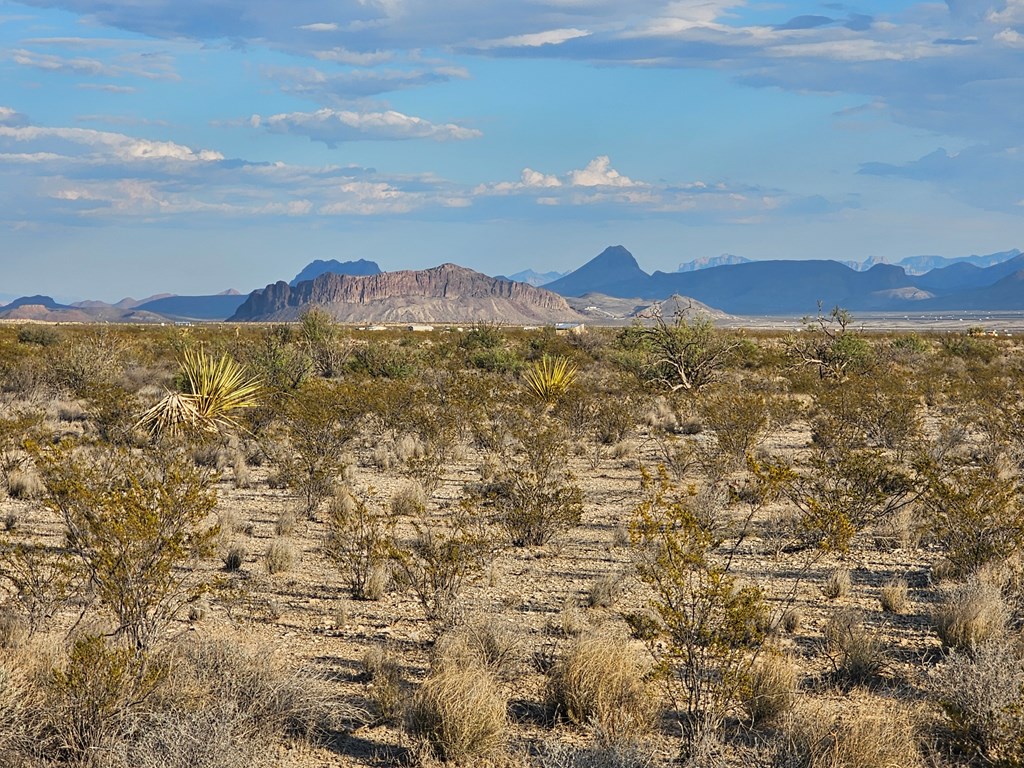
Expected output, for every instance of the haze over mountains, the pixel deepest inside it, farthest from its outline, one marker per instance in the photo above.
(610, 286)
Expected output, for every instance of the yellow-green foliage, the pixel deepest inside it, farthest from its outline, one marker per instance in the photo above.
(975, 512)
(548, 378)
(133, 521)
(93, 697)
(707, 618)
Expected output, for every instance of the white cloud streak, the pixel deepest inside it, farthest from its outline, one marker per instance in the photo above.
(336, 126)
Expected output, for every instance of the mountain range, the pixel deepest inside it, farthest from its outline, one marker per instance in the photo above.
(795, 287)
(611, 286)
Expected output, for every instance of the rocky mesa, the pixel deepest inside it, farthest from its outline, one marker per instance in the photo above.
(445, 294)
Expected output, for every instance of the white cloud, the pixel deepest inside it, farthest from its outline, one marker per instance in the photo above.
(1010, 37)
(127, 65)
(320, 26)
(532, 178)
(354, 58)
(10, 117)
(333, 126)
(534, 39)
(599, 173)
(112, 145)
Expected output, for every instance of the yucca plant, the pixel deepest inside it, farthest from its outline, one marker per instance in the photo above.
(213, 389)
(548, 378)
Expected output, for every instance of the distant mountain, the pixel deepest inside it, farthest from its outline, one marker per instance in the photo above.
(445, 294)
(751, 288)
(34, 301)
(964, 275)
(531, 277)
(316, 268)
(218, 307)
(795, 287)
(1005, 294)
(614, 272)
(919, 265)
(711, 261)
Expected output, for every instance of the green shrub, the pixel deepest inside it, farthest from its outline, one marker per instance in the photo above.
(135, 522)
(975, 512)
(358, 541)
(533, 495)
(706, 623)
(41, 335)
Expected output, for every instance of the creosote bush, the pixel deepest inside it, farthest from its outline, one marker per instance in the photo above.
(707, 624)
(533, 494)
(359, 541)
(135, 522)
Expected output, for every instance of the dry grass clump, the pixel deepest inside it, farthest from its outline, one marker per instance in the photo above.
(605, 591)
(971, 613)
(409, 500)
(409, 447)
(864, 736)
(792, 619)
(893, 596)
(838, 584)
(250, 690)
(234, 558)
(14, 628)
(24, 484)
(280, 556)
(571, 620)
(857, 654)
(771, 688)
(285, 523)
(22, 706)
(599, 682)
(982, 696)
(483, 642)
(240, 469)
(459, 713)
(558, 755)
(385, 682)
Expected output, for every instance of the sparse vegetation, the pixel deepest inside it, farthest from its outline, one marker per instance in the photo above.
(398, 529)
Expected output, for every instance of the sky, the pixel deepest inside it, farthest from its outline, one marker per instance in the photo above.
(191, 146)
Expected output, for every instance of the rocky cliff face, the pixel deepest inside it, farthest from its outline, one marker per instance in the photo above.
(448, 293)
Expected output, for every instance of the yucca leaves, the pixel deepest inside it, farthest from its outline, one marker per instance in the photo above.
(213, 390)
(549, 377)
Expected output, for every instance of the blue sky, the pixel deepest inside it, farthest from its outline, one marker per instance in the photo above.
(195, 145)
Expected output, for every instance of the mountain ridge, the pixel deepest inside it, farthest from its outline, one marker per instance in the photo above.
(446, 293)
